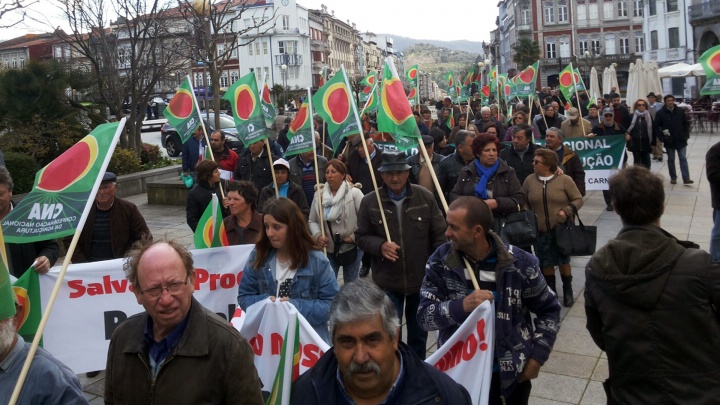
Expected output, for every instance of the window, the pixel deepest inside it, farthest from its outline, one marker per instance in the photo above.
(622, 8)
(526, 16)
(595, 46)
(637, 8)
(639, 44)
(250, 49)
(593, 11)
(265, 47)
(653, 41)
(608, 11)
(562, 13)
(549, 15)
(288, 47)
(583, 47)
(247, 23)
(234, 76)
(224, 80)
(550, 50)
(582, 12)
(286, 22)
(652, 7)
(564, 48)
(624, 46)
(220, 49)
(234, 53)
(257, 48)
(58, 52)
(610, 44)
(672, 5)
(674, 37)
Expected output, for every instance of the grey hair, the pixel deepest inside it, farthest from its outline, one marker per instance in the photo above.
(6, 178)
(557, 130)
(363, 300)
(486, 108)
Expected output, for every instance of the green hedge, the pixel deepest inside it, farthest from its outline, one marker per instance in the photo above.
(22, 168)
(124, 161)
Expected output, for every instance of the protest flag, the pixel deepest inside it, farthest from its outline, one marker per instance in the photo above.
(412, 75)
(452, 88)
(334, 104)
(371, 104)
(27, 289)
(492, 78)
(7, 303)
(526, 80)
(268, 109)
(300, 132)
(246, 109)
(182, 112)
(369, 80)
(710, 62)
(568, 80)
(289, 366)
(394, 114)
(210, 231)
(63, 190)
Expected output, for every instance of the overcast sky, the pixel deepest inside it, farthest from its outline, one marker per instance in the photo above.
(446, 20)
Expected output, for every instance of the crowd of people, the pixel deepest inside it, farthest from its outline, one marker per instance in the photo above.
(378, 213)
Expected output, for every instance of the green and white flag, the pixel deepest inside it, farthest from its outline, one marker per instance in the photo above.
(247, 112)
(710, 61)
(300, 132)
(7, 303)
(182, 112)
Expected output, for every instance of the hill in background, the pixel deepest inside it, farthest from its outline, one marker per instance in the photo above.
(438, 60)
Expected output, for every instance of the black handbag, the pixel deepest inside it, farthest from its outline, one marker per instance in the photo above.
(517, 228)
(575, 240)
(343, 258)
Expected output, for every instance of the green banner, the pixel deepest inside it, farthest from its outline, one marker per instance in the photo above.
(710, 61)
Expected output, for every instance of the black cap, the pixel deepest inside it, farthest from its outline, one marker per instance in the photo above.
(428, 140)
(394, 162)
(356, 141)
(109, 177)
(651, 94)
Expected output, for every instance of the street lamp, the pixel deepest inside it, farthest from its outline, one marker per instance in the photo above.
(284, 67)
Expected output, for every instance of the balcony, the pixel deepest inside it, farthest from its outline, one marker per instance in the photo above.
(289, 59)
(704, 12)
(317, 44)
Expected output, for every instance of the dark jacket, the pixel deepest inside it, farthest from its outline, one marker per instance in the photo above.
(198, 199)
(250, 232)
(422, 384)
(651, 305)
(295, 194)
(416, 166)
(422, 230)
(523, 167)
(677, 123)
(127, 226)
(191, 153)
(521, 289)
(358, 170)
(505, 187)
(296, 173)
(712, 170)
(22, 255)
(212, 364)
(622, 115)
(449, 171)
(259, 172)
(571, 165)
(554, 121)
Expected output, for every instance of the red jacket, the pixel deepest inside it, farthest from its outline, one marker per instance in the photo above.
(227, 159)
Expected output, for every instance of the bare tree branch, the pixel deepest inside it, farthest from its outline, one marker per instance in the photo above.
(10, 7)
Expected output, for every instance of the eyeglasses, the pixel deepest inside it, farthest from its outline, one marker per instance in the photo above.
(538, 162)
(172, 289)
(609, 115)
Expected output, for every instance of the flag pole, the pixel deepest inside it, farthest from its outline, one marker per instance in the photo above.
(205, 134)
(272, 169)
(61, 276)
(367, 155)
(577, 98)
(542, 114)
(315, 159)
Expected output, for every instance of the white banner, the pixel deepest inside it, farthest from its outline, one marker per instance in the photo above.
(96, 297)
(264, 327)
(467, 356)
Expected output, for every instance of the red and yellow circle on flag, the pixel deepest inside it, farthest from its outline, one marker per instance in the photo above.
(412, 93)
(714, 62)
(394, 101)
(336, 101)
(266, 94)
(69, 167)
(527, 75)
(23, 300)
(181, 105)
(245, 101)
(300, 119)
(566, 79)
(412, 73)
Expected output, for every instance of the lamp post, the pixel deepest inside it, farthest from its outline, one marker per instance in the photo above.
(284, 67)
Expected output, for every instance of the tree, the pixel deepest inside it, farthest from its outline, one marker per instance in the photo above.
(219, 31)
(127, 57)
(356, 86)
(11, 7)
(527, 52)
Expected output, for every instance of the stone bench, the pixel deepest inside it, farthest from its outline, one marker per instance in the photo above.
(167, 192)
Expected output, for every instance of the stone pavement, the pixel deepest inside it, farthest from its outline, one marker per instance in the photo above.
(576, 368)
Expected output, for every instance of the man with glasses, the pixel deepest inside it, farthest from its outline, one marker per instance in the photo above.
(675, 129)
(520, 156)
(653, 107)
(176, 351)
(608, 126)
(569, 160)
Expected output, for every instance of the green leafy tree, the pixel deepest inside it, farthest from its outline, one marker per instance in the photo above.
(527, 52)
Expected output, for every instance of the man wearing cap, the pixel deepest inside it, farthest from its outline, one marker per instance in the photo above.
(357, 163)
(674, 126)
(416, 228)
(608, 126)
(420, 172)
(574, 126)
(286, 188)
(112, 227)
(653, 107)
(569, 160)
(593, 116)
(226, 157)
(48, 380)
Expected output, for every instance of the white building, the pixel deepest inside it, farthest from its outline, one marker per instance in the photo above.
(288, 45)
(669, 38)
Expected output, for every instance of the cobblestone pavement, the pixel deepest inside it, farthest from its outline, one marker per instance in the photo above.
(576, 368)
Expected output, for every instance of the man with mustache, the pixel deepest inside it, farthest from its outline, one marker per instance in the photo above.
(368, 364)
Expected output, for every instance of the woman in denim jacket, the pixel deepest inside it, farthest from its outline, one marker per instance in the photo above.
(287, 265)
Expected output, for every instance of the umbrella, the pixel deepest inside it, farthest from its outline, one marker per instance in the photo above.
(606, 81)
(681, 70)
(632, 85)
(612, 75)
(594, 85)
(652, 79)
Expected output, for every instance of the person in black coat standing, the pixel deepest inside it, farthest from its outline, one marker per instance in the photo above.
(674, 129)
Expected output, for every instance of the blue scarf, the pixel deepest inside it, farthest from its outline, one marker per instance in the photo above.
(486, 173)
(283, 189)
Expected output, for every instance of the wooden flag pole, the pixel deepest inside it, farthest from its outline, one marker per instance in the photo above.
(315, 159)
(205, 134)
(577, 98)
(272, 169)
(58, 283)
(542, 114)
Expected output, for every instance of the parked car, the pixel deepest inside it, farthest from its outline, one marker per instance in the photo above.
(173, 145)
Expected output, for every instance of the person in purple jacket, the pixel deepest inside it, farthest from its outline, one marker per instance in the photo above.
(506, 274)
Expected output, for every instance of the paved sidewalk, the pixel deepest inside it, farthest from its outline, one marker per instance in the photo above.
(576, 368)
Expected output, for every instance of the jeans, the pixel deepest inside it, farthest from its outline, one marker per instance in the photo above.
(417, 338)
(350, 273)
(682, 154)
(715, 237)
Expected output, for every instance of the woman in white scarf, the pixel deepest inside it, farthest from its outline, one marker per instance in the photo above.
(338, 201)
(640, 134)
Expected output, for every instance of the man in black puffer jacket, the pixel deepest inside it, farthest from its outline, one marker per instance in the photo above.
(674, 129)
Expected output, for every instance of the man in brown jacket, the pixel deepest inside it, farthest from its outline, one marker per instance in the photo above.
(569, 161)
(416, 226)
(177, 351)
